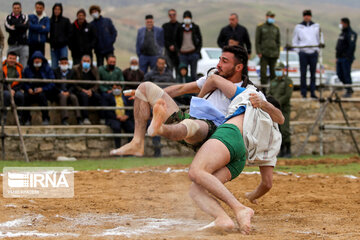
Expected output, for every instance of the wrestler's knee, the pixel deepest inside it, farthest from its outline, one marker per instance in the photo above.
(267, 183)
(194, 175)
(149, 92)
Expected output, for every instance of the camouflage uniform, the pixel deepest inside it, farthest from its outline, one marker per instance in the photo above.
(268, 45)
(281, 89)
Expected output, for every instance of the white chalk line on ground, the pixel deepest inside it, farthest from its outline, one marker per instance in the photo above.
(126, 225)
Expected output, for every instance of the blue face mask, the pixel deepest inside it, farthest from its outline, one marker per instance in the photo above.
(86, 65)
(271, 20)
(279, 73)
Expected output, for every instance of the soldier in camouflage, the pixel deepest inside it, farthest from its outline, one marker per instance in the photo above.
(281, 88)
(267, 46)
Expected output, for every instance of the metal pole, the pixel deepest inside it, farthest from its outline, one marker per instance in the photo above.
(287, 53)
(13, 107)
(347, 122)
(2, 117)
(321, 133)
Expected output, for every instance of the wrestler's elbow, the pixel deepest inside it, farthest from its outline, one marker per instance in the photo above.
(281, 119)
(193, 175)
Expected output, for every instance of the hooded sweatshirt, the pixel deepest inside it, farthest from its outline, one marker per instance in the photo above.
(59, 29)
(44, 72)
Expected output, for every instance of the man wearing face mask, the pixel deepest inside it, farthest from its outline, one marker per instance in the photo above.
(87, 93)
(345, 49)
(105, 34)
(119, 119)
(65, 90)
(110, 72)
(37, 92)
(281, 88)
(189, 43)
(267, 41)
(133, 73)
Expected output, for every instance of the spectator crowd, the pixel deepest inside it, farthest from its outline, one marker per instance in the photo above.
(161, 52)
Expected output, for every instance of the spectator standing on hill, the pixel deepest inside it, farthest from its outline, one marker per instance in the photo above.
(170, 29)
(39, 27)
(12, 69)
(16, 24)
(133, 73)
(87, 94)
(105, 34)
(65, 90)
(345, 50)
(308, 33)
(267, 46)
(189, 43)
(37, 92)
(149, 44)
(82, 38)
(236, 32)
(1, 42)
(59, 35)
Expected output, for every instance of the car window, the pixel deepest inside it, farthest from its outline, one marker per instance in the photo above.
(213, 53)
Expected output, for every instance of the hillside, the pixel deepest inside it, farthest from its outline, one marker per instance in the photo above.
(211, 15)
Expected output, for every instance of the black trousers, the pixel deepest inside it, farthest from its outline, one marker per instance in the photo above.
(39, 99)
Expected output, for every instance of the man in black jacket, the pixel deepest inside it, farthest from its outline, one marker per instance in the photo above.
(82, 38)
(170, 29)
(16, 24)
(345, 49)
(59, 35)
(189, 43)
(234, 31)
(65, 91)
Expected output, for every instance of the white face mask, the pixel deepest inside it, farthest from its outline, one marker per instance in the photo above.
(187, 20)
(37, 65)
(95, 15)
(134, 67)
(116, 91)
(64, 67)
(340, 26)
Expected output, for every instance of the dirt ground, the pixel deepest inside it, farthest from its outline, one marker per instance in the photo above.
(153, 203)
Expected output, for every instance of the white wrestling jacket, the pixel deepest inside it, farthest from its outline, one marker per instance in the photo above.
(261, 135)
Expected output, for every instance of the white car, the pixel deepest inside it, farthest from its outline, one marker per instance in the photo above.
(294, 68)
(355, 77)
(210, 58)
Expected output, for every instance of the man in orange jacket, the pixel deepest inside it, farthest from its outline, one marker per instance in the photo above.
(13, 69)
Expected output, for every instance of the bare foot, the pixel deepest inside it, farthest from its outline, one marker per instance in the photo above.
(159, 117)
(243, 218)
(248, 195)
(219, 224)
(131, 148)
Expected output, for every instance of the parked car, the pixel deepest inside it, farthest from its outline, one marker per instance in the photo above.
(210, 58)
(355, 77)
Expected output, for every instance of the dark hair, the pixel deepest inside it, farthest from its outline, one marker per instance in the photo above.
(40, 3)
(63, 58)
(110, 55)
(16, 3)
(161, 57)
(346, 21)
(241, 56)
(307, 12)
(94, 8)
(12, 53)
(234, 14)
(187, 13)
(81, 11)
(171, 10)
(149, 16)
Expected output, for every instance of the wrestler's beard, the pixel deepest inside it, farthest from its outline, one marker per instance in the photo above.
(228, 74)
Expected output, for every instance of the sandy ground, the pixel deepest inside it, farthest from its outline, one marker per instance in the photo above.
(153, 203)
